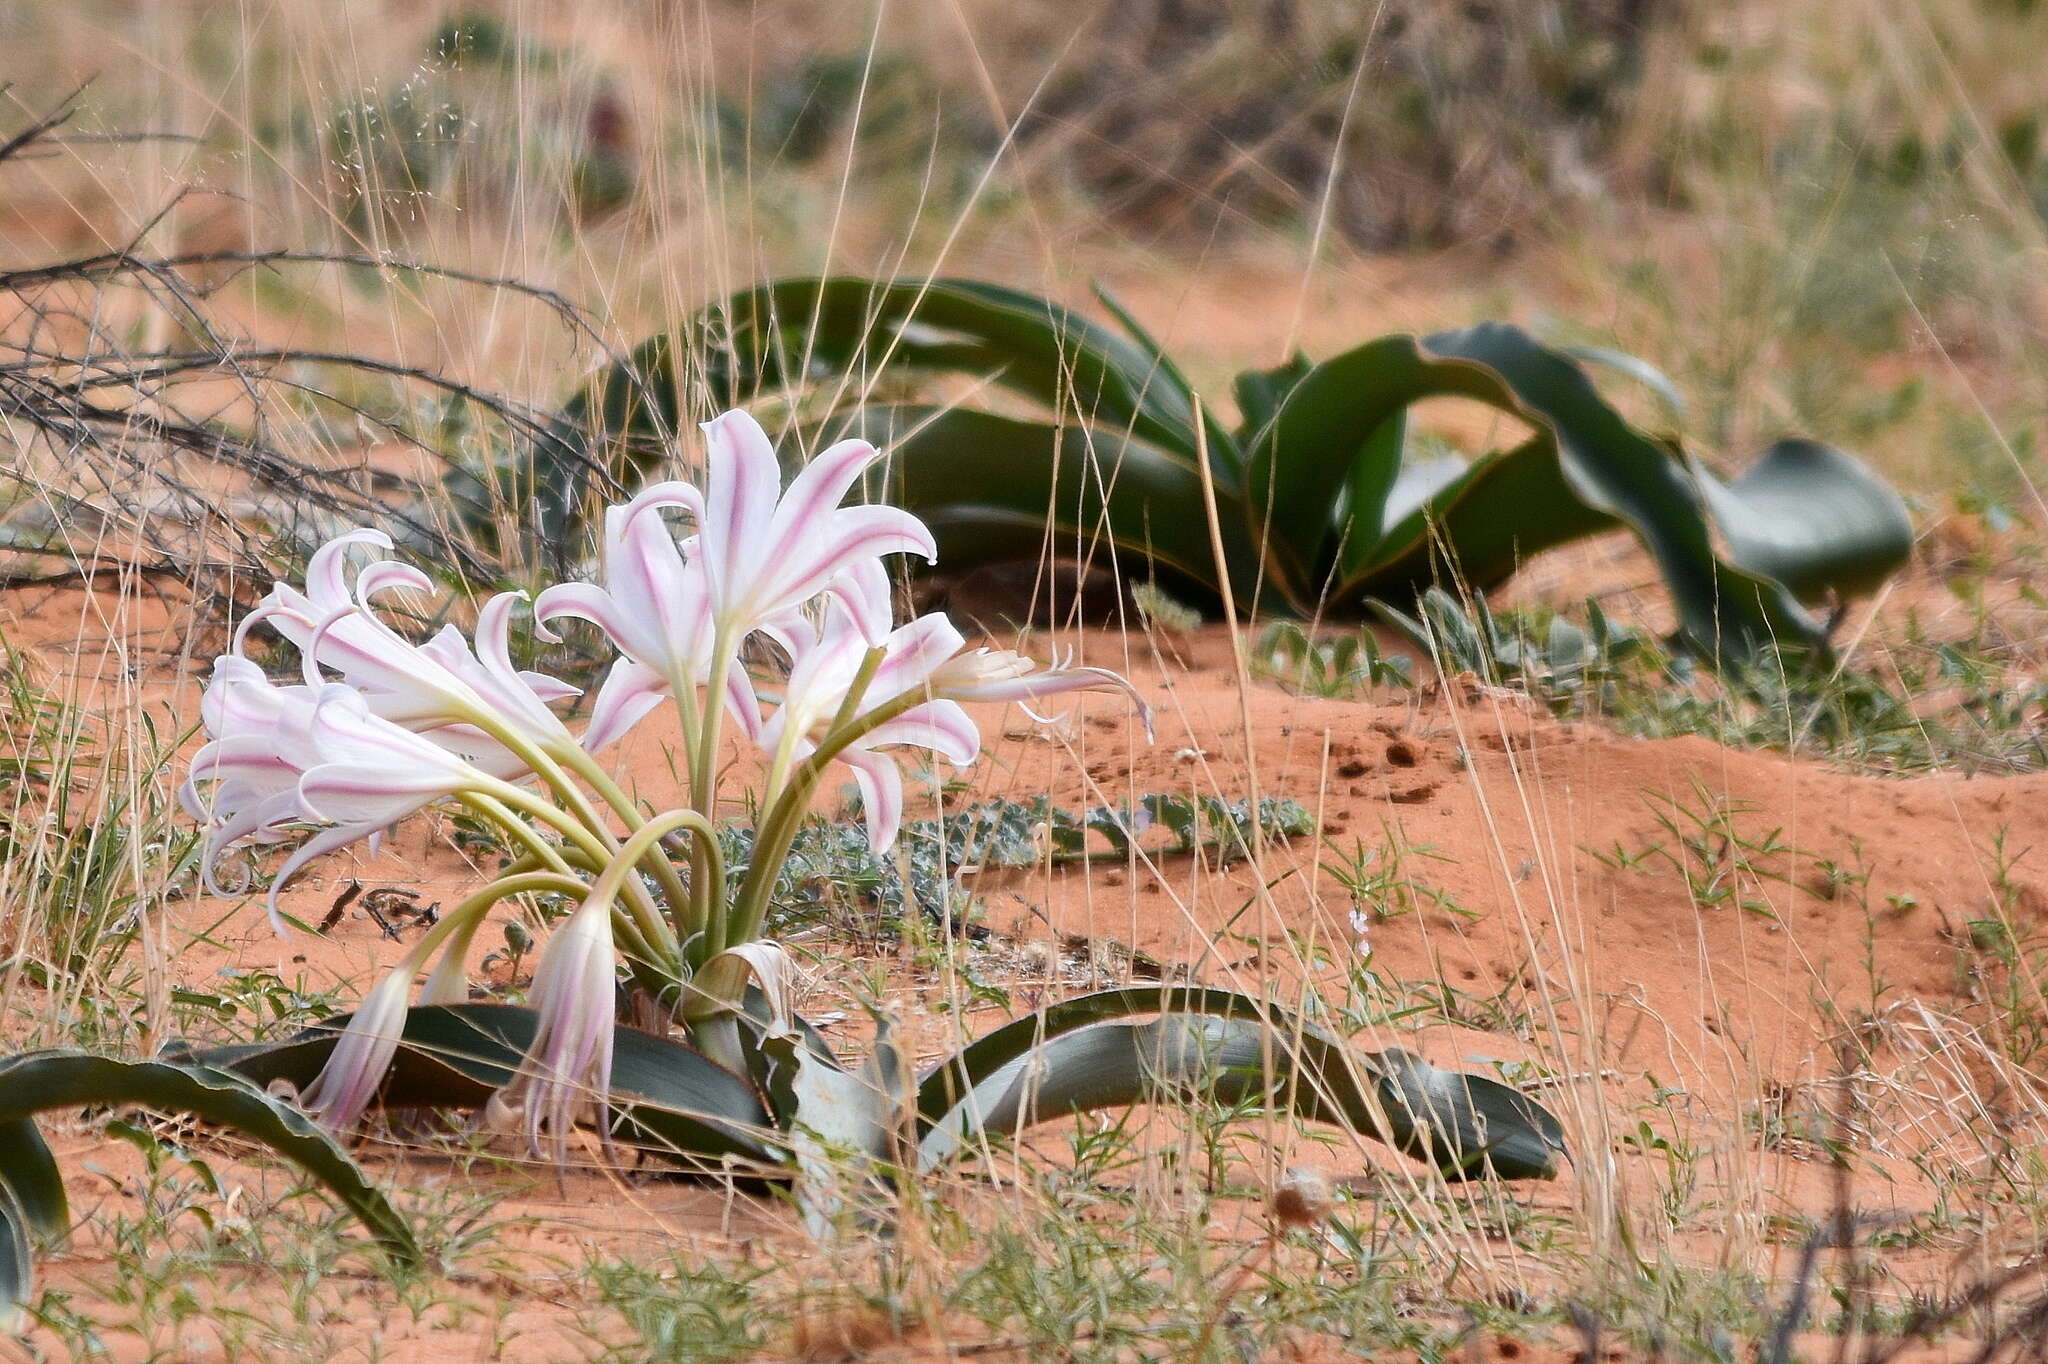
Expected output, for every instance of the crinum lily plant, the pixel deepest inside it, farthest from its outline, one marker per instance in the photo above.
(381, 727)
(694, 582)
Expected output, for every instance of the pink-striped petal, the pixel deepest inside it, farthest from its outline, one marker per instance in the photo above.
(881, 795)
(629, 693)
(852, 534)
(815, 493)
(941, 726)
(744, 480)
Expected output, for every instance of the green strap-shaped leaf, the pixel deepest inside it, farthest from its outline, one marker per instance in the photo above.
(1587, 468)
(947, 1083)
(1638, 369)
(30, 1173)
(1079, 1055)
(41, 1081)
(1468, 1126)
(17, 1269)
(668, 1098)
(1475, 523)
(837, 335)
(996, 488)
(1226, 459)
(1814, 518)
(1260, 393)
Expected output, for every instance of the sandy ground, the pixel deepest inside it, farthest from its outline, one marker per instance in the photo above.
(1708, 992)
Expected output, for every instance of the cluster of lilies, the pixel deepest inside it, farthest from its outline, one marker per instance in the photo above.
(380, 727)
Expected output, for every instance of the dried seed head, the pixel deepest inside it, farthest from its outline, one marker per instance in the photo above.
(1302, 1198)
(1040, 958)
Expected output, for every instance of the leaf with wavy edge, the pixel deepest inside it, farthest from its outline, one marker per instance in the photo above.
(1081, 1054)
(993, 488)
(668, 1098)
(1586, 470)
(40, 1081)
(1321, 503)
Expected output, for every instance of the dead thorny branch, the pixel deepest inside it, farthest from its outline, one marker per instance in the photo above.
(217, 461)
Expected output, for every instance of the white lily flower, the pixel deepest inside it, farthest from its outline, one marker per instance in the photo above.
(441, 688)
(655, 608)
(282, 756)
(569, 1065)
(767, 551)
(362, 1054)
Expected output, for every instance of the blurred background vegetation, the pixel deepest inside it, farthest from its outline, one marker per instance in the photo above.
(1815, 217)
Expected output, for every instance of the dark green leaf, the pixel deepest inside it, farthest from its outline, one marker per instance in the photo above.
(1226, 459)
(1812, 517)
(1078, 1055)
(995, 488)
(1468, 1126)
(795, 336)
(1638, 369)
(17, 1268)
(29, 1172)
(1586, 469)
(668, 1097)
(1260, 392)
(41, 1081)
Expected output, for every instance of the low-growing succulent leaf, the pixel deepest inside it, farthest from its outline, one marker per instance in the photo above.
(843, 1123)
(1636, 368)
(667, 1097)
(1812, 517)
(37, 1082)
(1325, 498)
(17, 1270)
(29, 1172)
(1585, 470)
(1084, 1054)
(999, 489)
(790, 337)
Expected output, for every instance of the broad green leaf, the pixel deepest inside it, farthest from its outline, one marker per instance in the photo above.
(1586, 469)
(996, 488)
(1475, 524)
(1080, 1055)
(1226, 460)
(1260, 392)
(1638, 369)
(1375, 486)
(41, 1081)
(668, 1097)
(793, 337)
(17, 1268)
(948, 1082)
(1468, 1126)
(1812, 517)
(1325, 498)
(843, 1123)
(30, 1173)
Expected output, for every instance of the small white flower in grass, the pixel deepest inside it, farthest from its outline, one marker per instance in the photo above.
(568, 1068)
(1361, 932)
